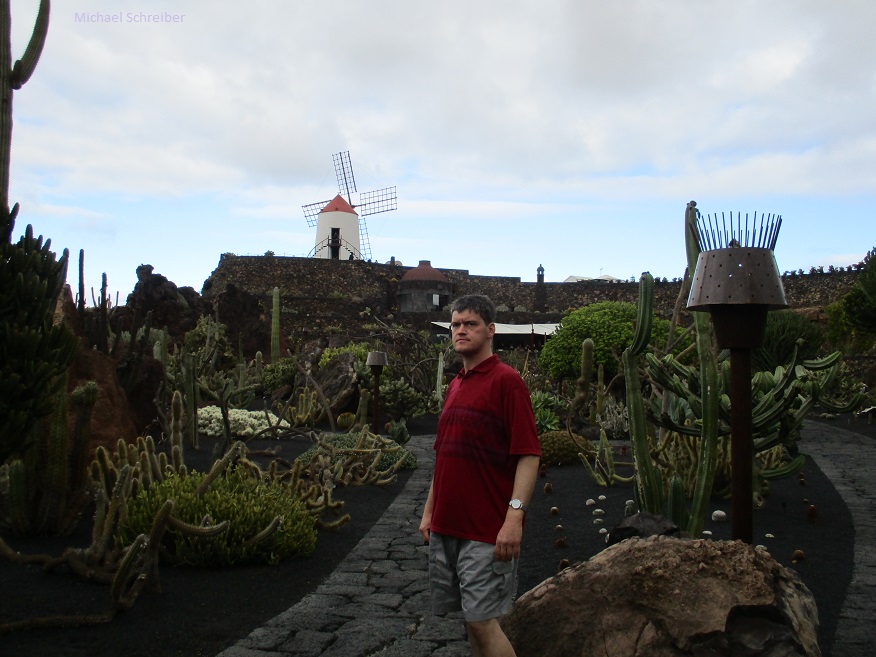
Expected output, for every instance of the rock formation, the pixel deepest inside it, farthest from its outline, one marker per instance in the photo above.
(662, 597)
(178, 309)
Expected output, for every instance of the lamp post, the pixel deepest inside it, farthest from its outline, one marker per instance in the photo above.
(376, 361)
(737, 281)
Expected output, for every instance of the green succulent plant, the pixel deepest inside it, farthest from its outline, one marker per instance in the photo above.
(262, 521)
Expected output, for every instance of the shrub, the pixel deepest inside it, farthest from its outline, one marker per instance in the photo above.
(557, 448)
(842, 335)
(859, 303)
(246, 502)
(609, 324)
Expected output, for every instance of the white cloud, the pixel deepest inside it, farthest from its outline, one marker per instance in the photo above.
(480, 113)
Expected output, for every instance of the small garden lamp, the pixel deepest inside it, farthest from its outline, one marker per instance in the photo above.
(376, 361)
(737, 281)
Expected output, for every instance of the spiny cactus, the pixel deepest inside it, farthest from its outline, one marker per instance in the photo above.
(307, 412)
(45, 491)
(581, 403)
(356, 459)
(275, 326)
(12, 78)
(649, 483)
(398, 431)
(34, 351)
(651, 488)
(346, 420)
(603, 470)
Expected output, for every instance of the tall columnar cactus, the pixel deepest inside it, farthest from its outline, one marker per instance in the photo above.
(581, 402)
(439, 382)
(12, 78)
(275, 327)
(189, 381)
(709, 386)
(651, 488)
(649, 483)
(46, 489)
(33, 352)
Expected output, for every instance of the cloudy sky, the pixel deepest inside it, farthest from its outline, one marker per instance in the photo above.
(566, 133)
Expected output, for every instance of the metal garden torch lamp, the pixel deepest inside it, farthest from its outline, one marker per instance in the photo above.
(737, 281)
(376, 361)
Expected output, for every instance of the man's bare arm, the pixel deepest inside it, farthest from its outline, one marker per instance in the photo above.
(510, 536)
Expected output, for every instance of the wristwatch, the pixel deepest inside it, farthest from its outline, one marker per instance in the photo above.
(517, 505)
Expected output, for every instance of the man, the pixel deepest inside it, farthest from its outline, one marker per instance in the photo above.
(486, 463)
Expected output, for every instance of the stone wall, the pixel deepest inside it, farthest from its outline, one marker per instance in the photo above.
(320, 286)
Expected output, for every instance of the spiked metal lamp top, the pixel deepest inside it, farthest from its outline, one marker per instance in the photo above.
(736, 278)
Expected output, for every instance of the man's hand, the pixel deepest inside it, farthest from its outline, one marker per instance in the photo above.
(426, 520)
(510, 536)
(425, 524)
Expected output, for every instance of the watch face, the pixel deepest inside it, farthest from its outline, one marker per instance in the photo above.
(516, 504)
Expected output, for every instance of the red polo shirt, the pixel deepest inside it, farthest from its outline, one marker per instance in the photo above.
(486, 425)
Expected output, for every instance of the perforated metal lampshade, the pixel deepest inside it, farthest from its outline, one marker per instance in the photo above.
(738, 285)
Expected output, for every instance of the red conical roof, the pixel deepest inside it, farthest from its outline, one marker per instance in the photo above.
(424, 272)
(339, 204)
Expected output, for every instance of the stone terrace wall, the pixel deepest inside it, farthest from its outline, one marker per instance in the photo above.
(319, 293)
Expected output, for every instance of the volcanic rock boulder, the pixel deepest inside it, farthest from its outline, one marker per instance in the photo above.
(662, 597)
(178, 309)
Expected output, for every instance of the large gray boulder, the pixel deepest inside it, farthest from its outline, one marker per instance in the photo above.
(662, 597)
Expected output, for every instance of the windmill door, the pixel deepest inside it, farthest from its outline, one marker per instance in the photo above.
(335, 244)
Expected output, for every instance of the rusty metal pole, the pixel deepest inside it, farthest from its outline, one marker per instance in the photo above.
(741, 446)
(377, 360)
(377, 398)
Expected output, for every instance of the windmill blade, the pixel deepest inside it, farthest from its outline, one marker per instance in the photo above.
(344, 173)
(311, 212)
(381, 200)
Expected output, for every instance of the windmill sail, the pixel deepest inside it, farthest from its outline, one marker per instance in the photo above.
(344, 173)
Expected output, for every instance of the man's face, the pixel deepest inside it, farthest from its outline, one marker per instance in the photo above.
(469, 333)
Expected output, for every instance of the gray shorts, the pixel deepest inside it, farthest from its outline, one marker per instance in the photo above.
(465, 575)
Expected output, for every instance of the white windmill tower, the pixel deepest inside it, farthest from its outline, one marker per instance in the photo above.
(341, 233)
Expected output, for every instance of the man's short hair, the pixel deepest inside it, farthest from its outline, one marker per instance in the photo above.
(479, 304)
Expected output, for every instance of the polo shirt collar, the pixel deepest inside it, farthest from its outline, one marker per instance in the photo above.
(484, 366)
